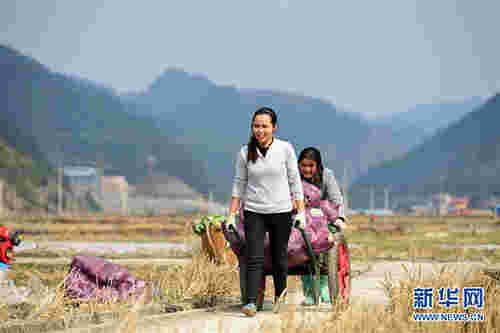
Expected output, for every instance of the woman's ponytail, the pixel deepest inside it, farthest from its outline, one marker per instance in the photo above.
(252, 149)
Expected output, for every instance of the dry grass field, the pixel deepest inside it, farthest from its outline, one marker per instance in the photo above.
(425, 238)
(398, 317)
(171, 228)
(198, 284)
(201, 283)
(392, 237)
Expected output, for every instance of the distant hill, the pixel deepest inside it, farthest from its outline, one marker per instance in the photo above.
(30, 180)
(23, 177)
(86, 121)
(23, 167)
(214, 120)
(423, 120)
(463, 158)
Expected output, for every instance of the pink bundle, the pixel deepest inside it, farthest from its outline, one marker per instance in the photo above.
(96, 278)
(318, 213)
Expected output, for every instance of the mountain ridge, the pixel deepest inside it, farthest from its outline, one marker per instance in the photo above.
(199, 108)
(192, 125)
(76, 120)
(463, 158)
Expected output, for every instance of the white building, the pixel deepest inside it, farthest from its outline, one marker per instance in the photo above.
(81, 176)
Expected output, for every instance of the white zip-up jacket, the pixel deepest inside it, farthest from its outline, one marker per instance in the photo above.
(271, 183)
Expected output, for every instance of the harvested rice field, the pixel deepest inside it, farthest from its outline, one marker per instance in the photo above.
(390, 258)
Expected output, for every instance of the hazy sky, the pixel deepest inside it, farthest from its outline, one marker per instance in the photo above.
(373, 57)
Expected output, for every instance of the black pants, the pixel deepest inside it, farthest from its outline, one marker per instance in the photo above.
(279, 226)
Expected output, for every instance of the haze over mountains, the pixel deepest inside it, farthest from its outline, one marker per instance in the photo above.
(193, 126)
(463, 158)
(81, 122)
(423, 120)
(214, 120)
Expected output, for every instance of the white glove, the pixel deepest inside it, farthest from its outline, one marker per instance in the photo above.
(231, 221)
(338, 237)
(341, 224)
(300, 220)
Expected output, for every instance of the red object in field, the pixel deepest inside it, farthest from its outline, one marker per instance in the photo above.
(373, 218)
(8, 240)
(343, 274)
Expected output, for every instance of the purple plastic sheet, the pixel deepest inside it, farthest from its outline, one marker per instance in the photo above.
(318, 213)
(96, 278)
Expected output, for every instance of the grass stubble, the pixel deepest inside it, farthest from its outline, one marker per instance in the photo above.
(202, 283)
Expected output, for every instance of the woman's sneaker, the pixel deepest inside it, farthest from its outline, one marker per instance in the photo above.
(250, 310)
(278, 301)
(308, 301)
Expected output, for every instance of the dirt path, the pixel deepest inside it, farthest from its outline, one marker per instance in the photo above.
(228, 319)
(366, 289)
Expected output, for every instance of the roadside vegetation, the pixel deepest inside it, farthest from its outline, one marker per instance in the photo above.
(398, 315)
(388, 238)
(201, 283)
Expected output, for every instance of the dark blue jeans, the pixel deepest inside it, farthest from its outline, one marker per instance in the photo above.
(279, 226)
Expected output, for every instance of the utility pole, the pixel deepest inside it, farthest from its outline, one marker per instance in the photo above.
(151, 162)
(99, 163)
(59, 190)
(124, 199)
(386, 192)
(208, 207)
(60, 133)
(59, 182)
(346, 197)
(441, 195)
(372, 197)
(210, 198)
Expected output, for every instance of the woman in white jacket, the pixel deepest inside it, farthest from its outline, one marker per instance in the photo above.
(268, 179)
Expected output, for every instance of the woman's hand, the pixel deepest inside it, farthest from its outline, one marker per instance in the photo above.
(340, 224)
(299, 220)
(231, 221)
